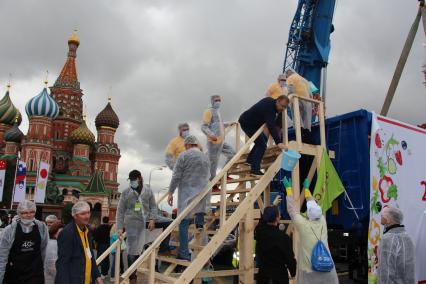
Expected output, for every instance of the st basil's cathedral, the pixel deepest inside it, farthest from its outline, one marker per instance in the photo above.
(82, 167)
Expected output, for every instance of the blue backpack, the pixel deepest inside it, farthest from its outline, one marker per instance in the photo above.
(321, 259)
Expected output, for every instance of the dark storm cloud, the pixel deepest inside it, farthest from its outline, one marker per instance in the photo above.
(163, 59)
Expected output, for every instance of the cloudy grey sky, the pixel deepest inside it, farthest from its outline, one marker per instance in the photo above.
(163, 59)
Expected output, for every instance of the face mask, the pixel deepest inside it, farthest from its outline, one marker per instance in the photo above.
(134, 184)
(216, 105)
(185, 133)
(27, 222)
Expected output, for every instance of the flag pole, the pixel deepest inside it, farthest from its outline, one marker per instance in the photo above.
(14, 183)
(350, 201)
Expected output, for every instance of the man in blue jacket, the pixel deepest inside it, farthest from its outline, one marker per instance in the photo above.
(263, 112)
(76, 263)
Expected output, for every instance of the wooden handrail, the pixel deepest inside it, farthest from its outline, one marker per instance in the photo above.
(191, 206)
(114, 245)
(118, 242)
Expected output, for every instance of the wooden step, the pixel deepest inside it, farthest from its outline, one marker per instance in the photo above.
(246, 169)
(227, 204)
(235, 191)
(243, 179)
(174, 260)
(160, 276)
(270, 153)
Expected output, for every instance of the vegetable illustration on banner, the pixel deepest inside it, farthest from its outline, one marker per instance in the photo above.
(397, 179)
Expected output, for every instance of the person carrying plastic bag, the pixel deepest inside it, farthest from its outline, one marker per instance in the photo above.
(311, 230)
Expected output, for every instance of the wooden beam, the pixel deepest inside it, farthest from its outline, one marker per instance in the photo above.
(237, 137)
(296, 121)
(174, 260)
(285, 127)
(246, 262)
(151, 272)
(222, 209)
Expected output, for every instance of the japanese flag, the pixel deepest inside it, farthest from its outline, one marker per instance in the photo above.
(41, 184)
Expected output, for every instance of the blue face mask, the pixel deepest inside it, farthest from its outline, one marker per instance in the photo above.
(185, 133)
(216, 105)
(134, 184)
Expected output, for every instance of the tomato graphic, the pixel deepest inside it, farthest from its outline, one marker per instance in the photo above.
(378, 140)
(398, 157)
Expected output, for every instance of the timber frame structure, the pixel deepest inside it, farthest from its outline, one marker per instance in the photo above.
(245, 192)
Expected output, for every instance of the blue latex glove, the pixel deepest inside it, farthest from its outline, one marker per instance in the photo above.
(306, 183)
(287, 182)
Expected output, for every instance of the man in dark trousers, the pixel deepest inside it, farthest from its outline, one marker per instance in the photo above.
(263, 112)
(76, 263)
(101, 237)
(274, 250)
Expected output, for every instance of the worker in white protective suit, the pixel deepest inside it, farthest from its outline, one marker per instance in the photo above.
(396, 250)
(214, 128)
(310, 230)
(191, 176)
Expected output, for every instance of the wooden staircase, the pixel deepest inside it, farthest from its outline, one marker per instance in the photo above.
(235, 204)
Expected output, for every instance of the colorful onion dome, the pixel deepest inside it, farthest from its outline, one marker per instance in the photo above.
(14, 134)
(8, 112)
(74, 39)
(42, 105)
(82, 135)
(107, 117)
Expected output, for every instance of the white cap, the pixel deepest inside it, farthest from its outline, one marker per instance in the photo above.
(314, 211)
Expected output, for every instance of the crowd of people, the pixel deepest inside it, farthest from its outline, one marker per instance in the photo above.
(32, 251)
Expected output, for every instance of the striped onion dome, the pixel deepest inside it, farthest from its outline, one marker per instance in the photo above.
(42, 105)
(82, 135)
(14, 134)
(8, 112)
(107, 117)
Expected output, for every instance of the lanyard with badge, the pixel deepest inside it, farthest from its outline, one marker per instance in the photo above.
(138, 204)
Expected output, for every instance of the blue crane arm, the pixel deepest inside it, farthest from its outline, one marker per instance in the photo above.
(308, 44)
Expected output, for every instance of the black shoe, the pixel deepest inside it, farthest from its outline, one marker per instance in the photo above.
(257, 173)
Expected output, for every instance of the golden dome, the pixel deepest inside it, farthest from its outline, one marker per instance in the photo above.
(74, 38)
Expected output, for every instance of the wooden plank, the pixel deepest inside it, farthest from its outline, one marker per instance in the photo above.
(151, 273)
(296, 121)
(117, 263)
(285, 127)
(231, 191)
(170, 269)
(296, 194)
(229, 225)
(222, 210)
(165, 278)
(267, 196)
(218, 204)
(237, 137)
(173, 260)
(246, 262)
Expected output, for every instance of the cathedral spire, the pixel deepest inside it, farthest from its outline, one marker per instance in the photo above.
(68, 76)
